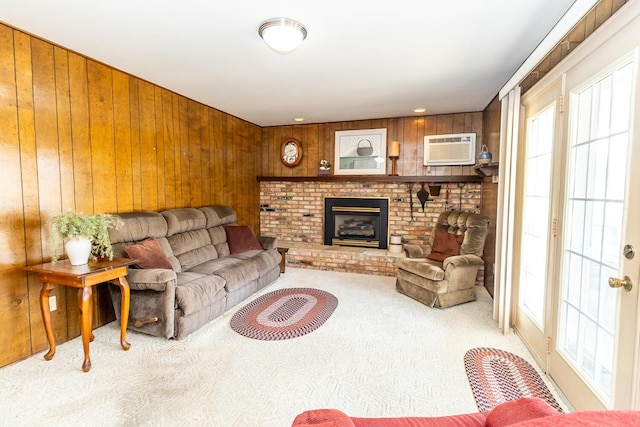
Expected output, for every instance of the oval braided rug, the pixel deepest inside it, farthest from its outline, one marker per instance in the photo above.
(284, 314)
(497, 376)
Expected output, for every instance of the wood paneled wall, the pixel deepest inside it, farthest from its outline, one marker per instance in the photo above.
(318, 142)
(597, 16)
(491, 137)
(77, 134)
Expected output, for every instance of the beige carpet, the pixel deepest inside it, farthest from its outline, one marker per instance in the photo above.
(379, 354)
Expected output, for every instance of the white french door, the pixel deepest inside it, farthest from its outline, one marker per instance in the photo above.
(579, 226)
(592, 357)
(536, 210)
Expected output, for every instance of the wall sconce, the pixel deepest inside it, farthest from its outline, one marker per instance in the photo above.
(283, 35)
(394, 154)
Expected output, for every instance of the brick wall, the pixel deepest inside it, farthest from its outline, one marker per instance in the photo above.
(292, 210)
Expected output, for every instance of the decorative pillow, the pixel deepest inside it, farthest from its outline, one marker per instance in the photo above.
(241, 239)
(445, 245)
(149, 254)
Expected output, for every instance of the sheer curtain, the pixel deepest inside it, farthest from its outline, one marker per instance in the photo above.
(509, 127)
(510, 123)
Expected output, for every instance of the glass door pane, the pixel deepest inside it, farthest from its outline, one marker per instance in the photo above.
(594, 219)
(535, 217)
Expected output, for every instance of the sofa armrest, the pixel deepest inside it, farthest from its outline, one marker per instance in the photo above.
(462, 261)
(154, 279)
(417, 251)
(268, 242)
(519, 410)
(461, 271)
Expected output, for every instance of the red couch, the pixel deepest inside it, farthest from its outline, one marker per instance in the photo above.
(524, 412)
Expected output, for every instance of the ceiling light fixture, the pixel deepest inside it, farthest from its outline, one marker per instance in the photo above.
(298, 119)
(283, 35)
(419, 110)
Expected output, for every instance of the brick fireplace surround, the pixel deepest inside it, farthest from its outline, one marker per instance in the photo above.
(292, 211)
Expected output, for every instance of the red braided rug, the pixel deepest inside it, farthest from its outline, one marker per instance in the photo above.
(284, 314)
(497, 376)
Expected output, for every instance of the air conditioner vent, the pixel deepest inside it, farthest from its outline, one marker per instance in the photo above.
(450, 150)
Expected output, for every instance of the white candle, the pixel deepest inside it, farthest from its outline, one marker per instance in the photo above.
(394, 149)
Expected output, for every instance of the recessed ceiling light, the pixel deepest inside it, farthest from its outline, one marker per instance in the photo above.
(419, 110)
(298, 119)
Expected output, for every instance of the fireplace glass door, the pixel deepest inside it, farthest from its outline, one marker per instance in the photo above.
(356, 226)
(356, 222)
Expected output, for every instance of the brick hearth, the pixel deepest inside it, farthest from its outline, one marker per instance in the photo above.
(343, 258)
(292, 211)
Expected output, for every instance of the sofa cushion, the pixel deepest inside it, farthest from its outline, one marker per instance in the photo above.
(238, 275)
(219, 215)
(199, 293)
(188, 237)
(426, 268)
(183, 219)
(211, 266)
(219, 240)
(188, 276)
(473, 244)
(241, 238)
(263, 260)
(192, 248)
(448, 221)
(473, 226)
(148, 254)
(138, 226)
(235, 272)
(445, 245)
(519, 410)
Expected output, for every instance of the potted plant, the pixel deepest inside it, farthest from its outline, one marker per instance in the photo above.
(85, 237)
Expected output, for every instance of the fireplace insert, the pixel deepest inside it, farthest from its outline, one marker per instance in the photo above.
(356, 221)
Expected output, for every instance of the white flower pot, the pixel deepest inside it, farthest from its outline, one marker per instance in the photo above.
(78, 250)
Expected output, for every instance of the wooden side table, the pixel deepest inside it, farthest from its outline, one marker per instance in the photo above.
(283, 260)
(83, 277)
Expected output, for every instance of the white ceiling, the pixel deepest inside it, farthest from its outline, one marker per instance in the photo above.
(362, 59)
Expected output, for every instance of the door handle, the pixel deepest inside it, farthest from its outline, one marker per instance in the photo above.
(625, 283)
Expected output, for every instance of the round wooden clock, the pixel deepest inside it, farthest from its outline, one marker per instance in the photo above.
(291, 152)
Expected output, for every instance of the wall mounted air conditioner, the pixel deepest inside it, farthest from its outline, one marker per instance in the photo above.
(450, 150)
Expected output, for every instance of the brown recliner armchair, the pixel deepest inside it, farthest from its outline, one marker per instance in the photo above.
(444, 273)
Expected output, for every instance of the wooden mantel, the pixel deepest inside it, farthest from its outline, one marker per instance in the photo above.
(375, 178)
